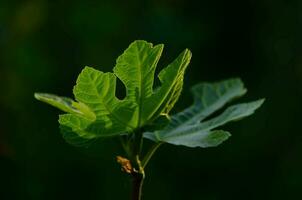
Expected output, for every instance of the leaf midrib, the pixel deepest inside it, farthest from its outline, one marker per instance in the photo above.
(140, 91)
(207, 109)
(167, 93)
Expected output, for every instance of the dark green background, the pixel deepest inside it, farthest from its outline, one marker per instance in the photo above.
(45, 44)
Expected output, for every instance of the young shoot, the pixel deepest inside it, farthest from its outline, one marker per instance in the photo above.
(144, 113)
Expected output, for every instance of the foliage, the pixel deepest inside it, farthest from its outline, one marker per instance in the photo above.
(96, 112)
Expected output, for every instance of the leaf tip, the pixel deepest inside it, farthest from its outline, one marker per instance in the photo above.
(187, 54)
(141, 42)
(43, 96)
(37, 95)
(87, 68)
(258, 103)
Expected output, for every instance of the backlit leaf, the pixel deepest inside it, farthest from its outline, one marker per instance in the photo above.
(96, 111)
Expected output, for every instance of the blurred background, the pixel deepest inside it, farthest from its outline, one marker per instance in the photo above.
(45, 44)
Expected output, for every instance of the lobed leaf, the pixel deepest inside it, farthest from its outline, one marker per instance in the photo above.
(188, 127)
(97, 112)
(208, 98)
(66, 104)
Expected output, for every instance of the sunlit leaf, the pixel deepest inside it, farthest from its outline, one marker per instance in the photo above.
(96, 111)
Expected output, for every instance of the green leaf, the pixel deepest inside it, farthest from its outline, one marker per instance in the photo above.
(97, 90)
(136, 68)
(233, 113)
(188, 128)
(75, 135)
(171, 78)
(66, 104)
(208, 98)
(97, 112)
(77, 124)
(195, 138)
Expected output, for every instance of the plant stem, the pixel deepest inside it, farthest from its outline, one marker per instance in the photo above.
(150, 154)
(133, 149)
(138, 177)
(138, 180)
(138, 174)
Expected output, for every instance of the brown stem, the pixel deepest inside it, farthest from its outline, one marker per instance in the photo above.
(138, 180)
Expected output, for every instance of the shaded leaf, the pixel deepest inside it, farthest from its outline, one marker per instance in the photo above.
(188, 128)
(208, 98)
(73, 138)
(195, 138)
